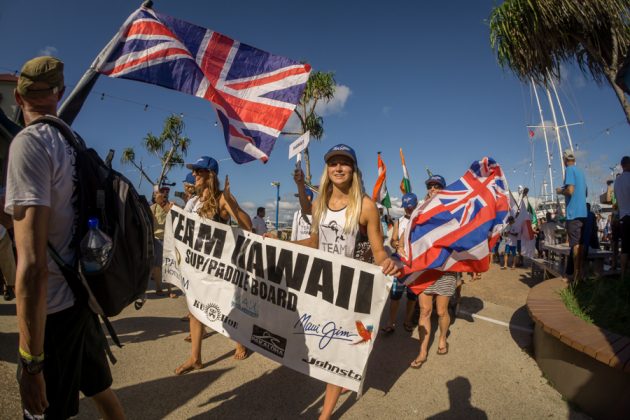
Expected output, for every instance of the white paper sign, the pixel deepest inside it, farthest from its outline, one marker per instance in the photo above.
(299, 144)
(315, 312)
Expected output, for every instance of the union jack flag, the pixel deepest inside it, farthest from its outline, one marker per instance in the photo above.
(254, 92)
(456, 228)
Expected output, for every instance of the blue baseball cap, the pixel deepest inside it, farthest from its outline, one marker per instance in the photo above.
(190, 179)
(341, 150)
(409, 200)
(436, 179)
(205, 162)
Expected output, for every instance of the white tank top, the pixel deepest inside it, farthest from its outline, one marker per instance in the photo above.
(332, 238)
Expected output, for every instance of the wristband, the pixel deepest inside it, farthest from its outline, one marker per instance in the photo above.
(29, 357)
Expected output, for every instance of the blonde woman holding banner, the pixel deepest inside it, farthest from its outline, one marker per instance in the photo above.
(219, 206)
(345, 222)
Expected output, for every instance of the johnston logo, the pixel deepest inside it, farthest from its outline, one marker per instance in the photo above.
(269, 341)
(325, 365)
(213, 312)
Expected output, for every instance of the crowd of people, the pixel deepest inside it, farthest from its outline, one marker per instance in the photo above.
(62, 349)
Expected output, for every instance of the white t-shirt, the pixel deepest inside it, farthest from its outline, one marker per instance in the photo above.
(301, 229)
(259, 225)
(332, 238)
(41, 173)
(622, 192)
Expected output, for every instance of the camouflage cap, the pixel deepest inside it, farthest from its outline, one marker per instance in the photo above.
(40, 76)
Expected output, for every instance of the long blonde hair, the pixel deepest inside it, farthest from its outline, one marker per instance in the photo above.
(210, 206)
(355, 199)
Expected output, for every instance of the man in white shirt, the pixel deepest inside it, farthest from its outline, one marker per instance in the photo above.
(7, 259)
(301, 227)
(258, 222)
(622, 194)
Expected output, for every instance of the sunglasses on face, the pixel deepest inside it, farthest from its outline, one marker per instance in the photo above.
(434, 187)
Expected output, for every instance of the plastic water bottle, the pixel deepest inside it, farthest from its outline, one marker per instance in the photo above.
(95, 248)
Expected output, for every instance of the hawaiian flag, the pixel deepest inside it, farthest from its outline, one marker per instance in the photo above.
(405, 184)
(254, 92)
(456, 228)
(380, 194)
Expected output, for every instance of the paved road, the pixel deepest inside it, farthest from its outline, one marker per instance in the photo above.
(488, 372)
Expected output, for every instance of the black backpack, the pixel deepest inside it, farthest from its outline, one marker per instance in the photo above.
(124, 215)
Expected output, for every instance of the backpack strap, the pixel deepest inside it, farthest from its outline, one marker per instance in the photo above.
(65, 130)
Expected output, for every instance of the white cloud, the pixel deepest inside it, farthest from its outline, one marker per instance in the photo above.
(248, 206)
(48, 50)
(323, 108)
(336, 104)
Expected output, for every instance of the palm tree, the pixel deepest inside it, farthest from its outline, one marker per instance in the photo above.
(170, 148)
(320, 86)
(533, 37)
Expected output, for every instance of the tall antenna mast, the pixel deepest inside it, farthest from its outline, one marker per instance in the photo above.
(542, 124)
(557, 129)
(564, 120)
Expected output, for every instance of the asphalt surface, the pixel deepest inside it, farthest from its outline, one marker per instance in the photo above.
(488, 372)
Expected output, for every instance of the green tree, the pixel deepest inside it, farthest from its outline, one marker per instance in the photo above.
(170, 148)
(320, 86)
(533, 37)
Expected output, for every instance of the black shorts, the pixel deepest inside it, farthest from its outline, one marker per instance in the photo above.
(625, 234)
(574, 230)
(74, 360)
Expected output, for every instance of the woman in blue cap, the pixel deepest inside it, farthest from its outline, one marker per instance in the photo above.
(345, 222)
(220, 206)
(441, 290)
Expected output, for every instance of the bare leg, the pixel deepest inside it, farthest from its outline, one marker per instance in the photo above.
(108, 405)
(196, 335)
(330, 401)
(505, 260)
(393, 310)
(444, 321)
(424, 327)
(410, 310)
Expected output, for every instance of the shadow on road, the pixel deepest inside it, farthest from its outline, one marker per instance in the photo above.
(8, 347)
(468, 306)
(147, 328)
(158, 398)
(459, 393)
(521, 329)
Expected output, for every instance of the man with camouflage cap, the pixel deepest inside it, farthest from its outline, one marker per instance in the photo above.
(61, 344)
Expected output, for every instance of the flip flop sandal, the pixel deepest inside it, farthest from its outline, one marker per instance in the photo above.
(417, 364)
(173, 295)
(183, 369)
(241, 355)
(389, 329)
(442, 351)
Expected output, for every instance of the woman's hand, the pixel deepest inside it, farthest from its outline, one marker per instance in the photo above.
(298, 176)
(227, 193)
(391, 266)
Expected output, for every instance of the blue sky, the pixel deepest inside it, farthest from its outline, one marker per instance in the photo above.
(416, 75)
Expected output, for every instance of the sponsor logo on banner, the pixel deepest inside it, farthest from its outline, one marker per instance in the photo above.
(364, 332)
(269, 341)
(248, 306)
(213, 313)
(325, 365)
(327, 331)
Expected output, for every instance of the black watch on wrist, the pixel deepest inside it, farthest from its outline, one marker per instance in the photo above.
(32, 367)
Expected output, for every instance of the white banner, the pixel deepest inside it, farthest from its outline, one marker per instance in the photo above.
(299, 144)
(312, 311)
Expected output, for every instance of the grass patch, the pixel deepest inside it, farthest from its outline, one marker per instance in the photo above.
(604, 302)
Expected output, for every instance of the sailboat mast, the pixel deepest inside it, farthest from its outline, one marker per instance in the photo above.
(555, 124)
(564, 120)
(542, 124)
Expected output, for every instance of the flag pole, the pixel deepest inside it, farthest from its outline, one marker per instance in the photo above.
(71, 107)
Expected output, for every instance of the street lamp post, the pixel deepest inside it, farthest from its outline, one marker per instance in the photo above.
(277, 185)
